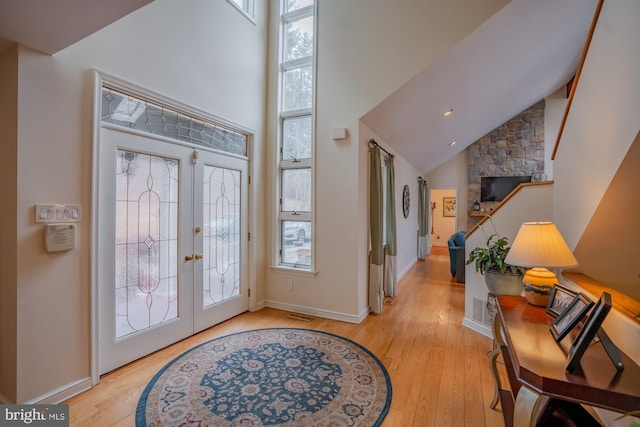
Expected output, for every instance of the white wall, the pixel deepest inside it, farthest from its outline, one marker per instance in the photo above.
(452, 174)
(442, 227)
(602, 124)
(365, 50)
(406, 228)
(555, 105)
(531, 203)
(207, 55)
(603, 121)
(178, 49)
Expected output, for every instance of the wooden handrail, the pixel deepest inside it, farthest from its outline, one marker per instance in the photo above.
(505, 200)
(576, 78)
(625, 304)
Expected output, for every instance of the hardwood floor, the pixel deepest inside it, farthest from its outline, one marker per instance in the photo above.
(438, 368)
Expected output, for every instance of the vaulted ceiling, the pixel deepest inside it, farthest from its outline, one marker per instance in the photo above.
(50, 26)
(525, 52)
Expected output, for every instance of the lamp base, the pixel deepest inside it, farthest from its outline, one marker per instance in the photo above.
(538, 283)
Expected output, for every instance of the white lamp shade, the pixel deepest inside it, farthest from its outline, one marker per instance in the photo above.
(540, 244)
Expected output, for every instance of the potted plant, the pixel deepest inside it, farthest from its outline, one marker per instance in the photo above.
(501, 278)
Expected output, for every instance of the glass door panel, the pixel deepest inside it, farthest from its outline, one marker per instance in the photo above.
(220, 213)
(145, 233)
(221, 237)
(146, 241)
(171, 259)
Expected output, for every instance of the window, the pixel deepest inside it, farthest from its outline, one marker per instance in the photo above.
(248, 7)
(296, 133)
(121, 109)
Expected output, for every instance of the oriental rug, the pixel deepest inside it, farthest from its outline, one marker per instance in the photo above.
(269, 377)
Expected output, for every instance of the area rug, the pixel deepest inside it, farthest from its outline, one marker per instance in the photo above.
(269, 377)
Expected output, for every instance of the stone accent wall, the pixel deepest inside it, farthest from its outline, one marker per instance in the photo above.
(514, 149)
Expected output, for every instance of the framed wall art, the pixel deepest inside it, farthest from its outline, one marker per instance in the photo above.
(405, 201)
(448, 206)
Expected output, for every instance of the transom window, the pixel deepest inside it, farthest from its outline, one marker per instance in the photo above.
(128, 111)
(296, 133)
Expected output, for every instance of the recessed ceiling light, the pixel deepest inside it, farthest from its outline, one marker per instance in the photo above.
(448, 112)
(453, 142)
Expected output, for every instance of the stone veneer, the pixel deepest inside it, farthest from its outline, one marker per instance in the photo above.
(514, 149)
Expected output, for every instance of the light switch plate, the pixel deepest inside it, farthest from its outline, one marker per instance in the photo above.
(57, 213)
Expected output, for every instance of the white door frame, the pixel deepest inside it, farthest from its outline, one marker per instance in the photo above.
(99, 79)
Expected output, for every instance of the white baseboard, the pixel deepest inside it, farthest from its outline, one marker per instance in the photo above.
(407, 268)
(478, 327)
(326, 314)
(258, 306)
(63, 393)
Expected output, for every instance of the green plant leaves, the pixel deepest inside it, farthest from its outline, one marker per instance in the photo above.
(492, 256)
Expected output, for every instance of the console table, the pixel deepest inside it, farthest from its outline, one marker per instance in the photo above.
(536, 363)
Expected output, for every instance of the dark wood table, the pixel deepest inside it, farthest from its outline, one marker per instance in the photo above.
(536, 367)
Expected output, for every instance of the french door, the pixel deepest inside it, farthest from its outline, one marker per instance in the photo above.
(171, 252)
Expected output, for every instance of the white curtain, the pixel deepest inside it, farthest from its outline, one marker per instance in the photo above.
(391, 250)
(422, 218)
(376, 289)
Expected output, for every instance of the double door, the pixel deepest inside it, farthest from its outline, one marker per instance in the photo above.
(171, 243)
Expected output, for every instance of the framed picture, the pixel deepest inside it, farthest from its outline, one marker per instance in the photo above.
(448, 206)
(589, 331)
(560, 299)
(569, 318)
(405, 201)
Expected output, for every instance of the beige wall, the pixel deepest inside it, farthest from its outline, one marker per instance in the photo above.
(603, 121)
(531, 203)
(596, 150)
(189, 60)
(599, 135)
(8, 226)
(443, 227)
(365, 50)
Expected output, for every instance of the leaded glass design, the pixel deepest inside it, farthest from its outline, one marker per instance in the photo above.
(221, 235)
(130, 112)
(146, 238)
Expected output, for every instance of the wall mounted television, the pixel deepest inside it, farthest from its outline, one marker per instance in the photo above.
(496, 188)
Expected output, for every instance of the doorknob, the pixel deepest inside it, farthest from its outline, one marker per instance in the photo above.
(198, 256)
(188, 257)
(198, 229)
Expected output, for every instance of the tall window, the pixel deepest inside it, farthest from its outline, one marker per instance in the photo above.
(248, 7)
(296, 132)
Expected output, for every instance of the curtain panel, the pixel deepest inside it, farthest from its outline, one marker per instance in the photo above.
(391, 246)
(376, 257)
(422, 218)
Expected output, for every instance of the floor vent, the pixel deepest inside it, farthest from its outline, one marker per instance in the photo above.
(480, 312)
(300, 316)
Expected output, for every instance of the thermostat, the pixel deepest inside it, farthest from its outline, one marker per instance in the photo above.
(59, 237)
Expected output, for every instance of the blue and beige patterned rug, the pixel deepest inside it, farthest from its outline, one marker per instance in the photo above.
(269, 377)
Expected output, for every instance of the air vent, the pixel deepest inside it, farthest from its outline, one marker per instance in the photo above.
(478, 310)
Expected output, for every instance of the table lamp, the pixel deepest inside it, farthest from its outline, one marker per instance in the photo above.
(539, 245)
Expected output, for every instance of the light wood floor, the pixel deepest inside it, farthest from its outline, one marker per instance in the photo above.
(438, 368)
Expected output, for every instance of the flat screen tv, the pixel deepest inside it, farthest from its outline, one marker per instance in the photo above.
(496, 188)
